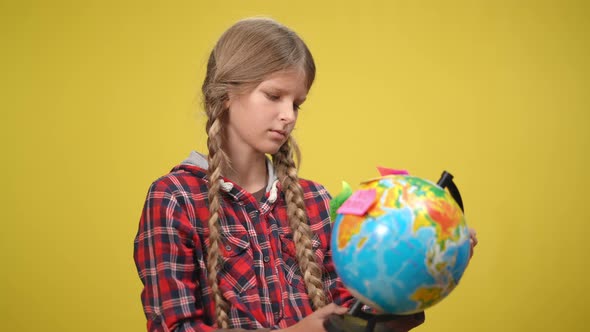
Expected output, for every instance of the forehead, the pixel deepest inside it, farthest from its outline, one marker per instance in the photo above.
(292, 81)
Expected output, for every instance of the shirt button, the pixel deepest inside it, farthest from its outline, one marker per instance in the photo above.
(266, 259)
(228, 248)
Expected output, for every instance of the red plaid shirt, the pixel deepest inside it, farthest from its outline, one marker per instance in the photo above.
(258, 276)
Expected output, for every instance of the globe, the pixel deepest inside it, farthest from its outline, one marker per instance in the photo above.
(405, 249)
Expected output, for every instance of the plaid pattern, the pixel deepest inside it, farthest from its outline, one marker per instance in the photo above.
(258, 276)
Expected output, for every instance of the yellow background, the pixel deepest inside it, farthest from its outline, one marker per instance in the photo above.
(99, 98)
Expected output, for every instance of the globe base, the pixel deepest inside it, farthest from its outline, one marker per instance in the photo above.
(363, 322)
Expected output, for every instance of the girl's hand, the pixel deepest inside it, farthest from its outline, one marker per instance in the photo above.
(472, 240)
(315, 321)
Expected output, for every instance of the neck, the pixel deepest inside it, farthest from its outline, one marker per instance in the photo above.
(248, 171)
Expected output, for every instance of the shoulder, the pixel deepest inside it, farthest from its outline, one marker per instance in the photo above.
(180, 185)
(181, 195)
(178, 180)
(181, 178)
(313, 189)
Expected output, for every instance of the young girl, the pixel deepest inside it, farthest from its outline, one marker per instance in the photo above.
(235, 239)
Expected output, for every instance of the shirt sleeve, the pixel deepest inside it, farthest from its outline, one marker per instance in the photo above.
(164, 256)
(336, 291)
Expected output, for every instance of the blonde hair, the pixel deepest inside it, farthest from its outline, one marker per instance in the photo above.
(247, 53)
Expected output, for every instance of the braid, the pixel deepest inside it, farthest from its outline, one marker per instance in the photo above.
(217, 159)
(302, 234)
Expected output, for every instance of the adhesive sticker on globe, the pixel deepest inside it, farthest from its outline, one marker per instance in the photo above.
(389, 171)
(359, 203)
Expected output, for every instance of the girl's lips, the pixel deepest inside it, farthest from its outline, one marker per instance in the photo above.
(279, 133)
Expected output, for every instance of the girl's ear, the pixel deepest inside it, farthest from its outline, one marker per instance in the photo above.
(227, 103)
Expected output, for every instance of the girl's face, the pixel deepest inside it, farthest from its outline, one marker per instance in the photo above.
(260, 121)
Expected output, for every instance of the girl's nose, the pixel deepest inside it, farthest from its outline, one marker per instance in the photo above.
(287, 114)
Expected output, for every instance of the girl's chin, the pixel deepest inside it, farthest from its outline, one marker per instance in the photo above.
(272, 149)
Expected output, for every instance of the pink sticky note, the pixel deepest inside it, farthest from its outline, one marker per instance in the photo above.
(388, 171)
(358, 203)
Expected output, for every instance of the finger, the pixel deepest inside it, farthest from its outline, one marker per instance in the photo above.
(336, 309)
(331, 308)
(341, 310)
(473, 237)
(472, 241)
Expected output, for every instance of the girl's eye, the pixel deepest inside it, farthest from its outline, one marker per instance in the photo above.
(272, 97)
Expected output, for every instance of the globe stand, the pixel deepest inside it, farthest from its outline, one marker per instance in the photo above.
(357, 320)
(349, 323)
